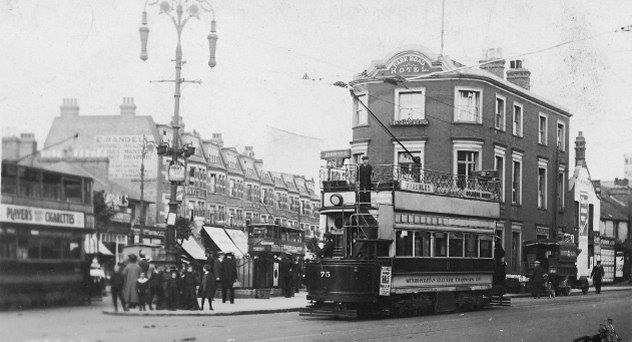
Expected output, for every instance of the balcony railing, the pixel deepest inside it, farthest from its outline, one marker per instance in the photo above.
(412, 178)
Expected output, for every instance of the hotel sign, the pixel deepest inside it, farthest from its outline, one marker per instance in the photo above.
(408, 64)
(41, 216)
(433, 280)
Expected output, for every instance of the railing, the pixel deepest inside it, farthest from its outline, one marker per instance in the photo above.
(412, 178)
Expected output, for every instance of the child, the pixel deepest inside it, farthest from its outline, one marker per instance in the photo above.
(207, 287)
(142, 286)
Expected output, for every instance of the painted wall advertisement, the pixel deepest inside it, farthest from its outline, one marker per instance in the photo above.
(618, 265)
(583, 213)
(385, 281)
(125, 153)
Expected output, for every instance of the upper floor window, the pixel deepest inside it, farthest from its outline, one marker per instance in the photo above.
(410, 104)
(516, 178)
(561, 136)
(468, 105)
(542, 125)
(560, 189)
(542, 185)
(360, 114)
(499, 117)
(517, 120)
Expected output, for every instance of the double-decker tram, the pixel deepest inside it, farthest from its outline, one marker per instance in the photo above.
(45, 214)
(419, 241)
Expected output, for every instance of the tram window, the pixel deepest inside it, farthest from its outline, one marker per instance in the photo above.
(50, 248)
(72, 190)
(51, 186)
(471, 246)
(74, 249)
(404, 243)
(456, 245)
(422, 244)
(28, 247)
(9, 179)
(29, 182)
(486, 246)
(8, 247)
(441, 244)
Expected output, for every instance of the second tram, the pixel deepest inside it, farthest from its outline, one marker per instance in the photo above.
(423, 242)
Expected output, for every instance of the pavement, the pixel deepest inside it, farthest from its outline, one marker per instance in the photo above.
(559, 319)
(251, 306)
(242, 306)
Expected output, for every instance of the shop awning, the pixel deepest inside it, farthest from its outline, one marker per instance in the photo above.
(239, 239)
(193, 249)
(92, 246)
(222, 240)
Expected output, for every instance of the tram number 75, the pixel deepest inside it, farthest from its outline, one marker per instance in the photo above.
(325, 274)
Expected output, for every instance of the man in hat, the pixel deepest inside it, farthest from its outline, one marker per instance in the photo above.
(229, 276)
(537, 280)
(365, 172)
(597, 274)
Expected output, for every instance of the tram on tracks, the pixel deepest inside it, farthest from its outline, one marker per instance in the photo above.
(44, 218)
(423, 242)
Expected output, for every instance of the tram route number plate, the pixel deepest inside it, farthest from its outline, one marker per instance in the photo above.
(385, 280)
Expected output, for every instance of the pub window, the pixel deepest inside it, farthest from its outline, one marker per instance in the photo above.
(404, 243)
(468, 106)
(456, 245)
(471, 245)
(440, 244)
(9, 179)
(422, 244)
(360, 114)
(499, 118)
(72, 190)
(485, 242)
(410, 104)
(29, 182)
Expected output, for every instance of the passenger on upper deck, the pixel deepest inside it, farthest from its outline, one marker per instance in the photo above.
(365, 172)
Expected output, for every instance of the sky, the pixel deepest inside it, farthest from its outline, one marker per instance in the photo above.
(89, 50)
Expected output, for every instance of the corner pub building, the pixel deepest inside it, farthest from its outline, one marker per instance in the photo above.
(459, 120)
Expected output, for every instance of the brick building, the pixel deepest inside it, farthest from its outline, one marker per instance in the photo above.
(223, 186)
(461, 120)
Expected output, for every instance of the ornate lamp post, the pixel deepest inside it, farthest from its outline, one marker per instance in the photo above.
(180, 12)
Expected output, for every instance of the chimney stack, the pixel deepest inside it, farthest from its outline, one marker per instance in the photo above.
(69, 107)
(128, 107)
(28, 144)
(249, 151)
(493, 61)
(519, 75)
(216, 138)
(580, 150)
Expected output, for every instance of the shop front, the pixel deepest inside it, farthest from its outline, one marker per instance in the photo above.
(277, 253)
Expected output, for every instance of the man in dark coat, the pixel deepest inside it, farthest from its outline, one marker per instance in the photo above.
(597, 274)
(365, 172)
(229, 276)
(537, 280)
(207, 287)
(116, 287)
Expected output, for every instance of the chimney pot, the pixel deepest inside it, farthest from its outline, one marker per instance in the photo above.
(128, 107)
(580, 150)
(493, 62)
(69, 107)
(518, 75)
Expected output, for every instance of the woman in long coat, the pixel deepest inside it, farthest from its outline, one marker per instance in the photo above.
(131, 272)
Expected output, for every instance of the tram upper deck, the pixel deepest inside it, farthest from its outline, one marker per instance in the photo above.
(410, 189)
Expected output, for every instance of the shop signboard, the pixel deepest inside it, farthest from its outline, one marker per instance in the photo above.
(41, 216)
(432, 280)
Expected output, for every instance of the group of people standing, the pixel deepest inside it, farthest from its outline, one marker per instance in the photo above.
(141, 284)
(541, 282)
